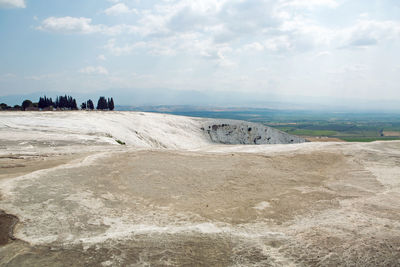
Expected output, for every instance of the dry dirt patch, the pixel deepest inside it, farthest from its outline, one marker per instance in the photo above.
(228, 187)
(7, 223)
(391, 133)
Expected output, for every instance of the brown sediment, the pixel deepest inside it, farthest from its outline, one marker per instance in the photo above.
(322, 139)
(7, 224)
(13, 166)
(391, 133)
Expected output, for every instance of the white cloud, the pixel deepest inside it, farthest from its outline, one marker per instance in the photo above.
(369, 32)
(119, 9)
(82, 26)
(68, 24)
(272, 24)
(278, 43)
(322, 54)
(42, 77)
(356, 69)
(311, 3)
(363, 33)
(12, 4)
(256, 46)
(122, 50)
(7, 76)
(101, 57)
(94, 70)
(204, 28)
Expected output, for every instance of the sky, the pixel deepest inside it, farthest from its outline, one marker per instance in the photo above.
(334, 50)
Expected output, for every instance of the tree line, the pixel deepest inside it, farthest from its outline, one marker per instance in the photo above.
(65, 102)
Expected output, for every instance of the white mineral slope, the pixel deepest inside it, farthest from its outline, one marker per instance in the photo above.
(142, 130)
(136, 129)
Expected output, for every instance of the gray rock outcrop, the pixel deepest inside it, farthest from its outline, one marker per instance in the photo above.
(241, 132)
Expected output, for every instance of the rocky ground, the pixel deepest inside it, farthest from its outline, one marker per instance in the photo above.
(92, 202)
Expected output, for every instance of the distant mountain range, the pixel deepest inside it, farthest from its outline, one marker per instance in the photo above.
(162, 98)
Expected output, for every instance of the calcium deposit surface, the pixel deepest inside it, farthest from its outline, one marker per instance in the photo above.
(172, 197)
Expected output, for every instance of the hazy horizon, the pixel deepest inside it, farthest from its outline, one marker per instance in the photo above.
(315, 54)
(168, 97)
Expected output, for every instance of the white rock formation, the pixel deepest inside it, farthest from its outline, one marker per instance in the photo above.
(137, 129)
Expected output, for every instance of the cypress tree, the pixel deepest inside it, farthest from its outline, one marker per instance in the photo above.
(90, 104)
(41, 103)
(102, 103)
(74, 106)
(45, 102)
(111, 104)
